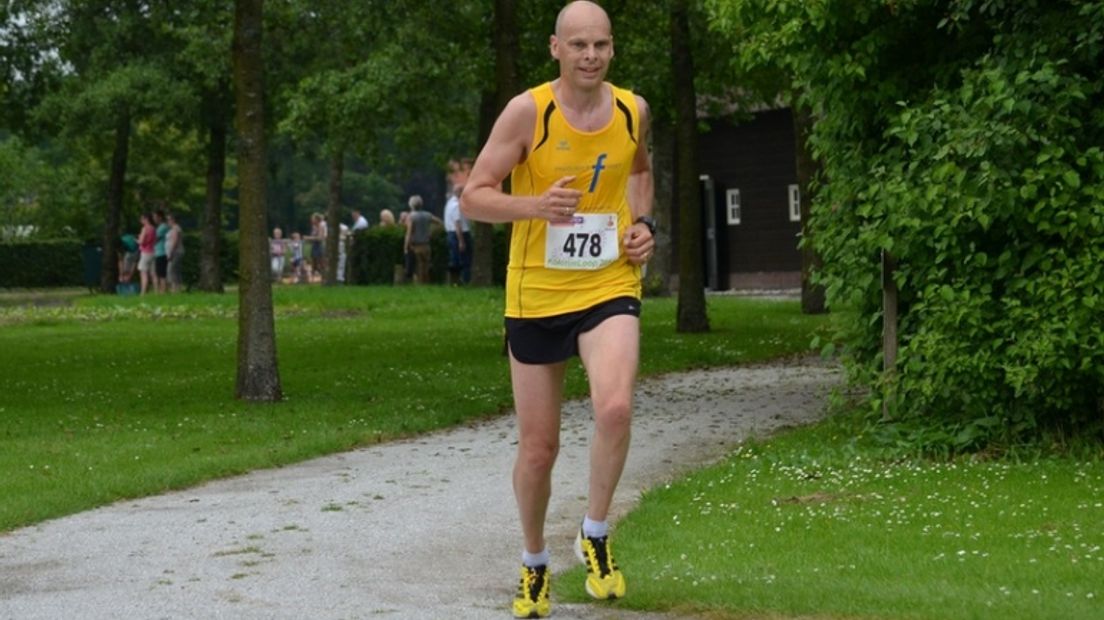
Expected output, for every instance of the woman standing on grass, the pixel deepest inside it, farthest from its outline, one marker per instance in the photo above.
(147, 239)
(317, 250)
(174, 250)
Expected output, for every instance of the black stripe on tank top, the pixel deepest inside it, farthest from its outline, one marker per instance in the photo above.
(628, 118)
(548, 117)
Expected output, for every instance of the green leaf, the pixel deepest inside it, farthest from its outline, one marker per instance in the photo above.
(1072, 179)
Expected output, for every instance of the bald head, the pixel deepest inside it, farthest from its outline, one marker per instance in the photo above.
(580, 11)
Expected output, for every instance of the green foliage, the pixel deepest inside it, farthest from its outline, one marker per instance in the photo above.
(228, 258)
(38, 264)
(964, 138)
(371, 193)
(375, 253)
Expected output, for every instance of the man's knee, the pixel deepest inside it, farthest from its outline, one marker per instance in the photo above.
(613, 415)
(538, 454)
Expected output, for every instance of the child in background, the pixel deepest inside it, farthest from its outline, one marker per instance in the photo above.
(295, 248)
(276, 253)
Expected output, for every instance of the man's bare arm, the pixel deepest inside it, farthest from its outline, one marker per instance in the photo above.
(508, 145)
(641, 182)
(638, 239)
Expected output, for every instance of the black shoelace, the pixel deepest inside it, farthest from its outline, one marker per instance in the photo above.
(600, 555)
(537, 584)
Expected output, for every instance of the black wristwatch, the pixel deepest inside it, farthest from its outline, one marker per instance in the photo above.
(647, 221)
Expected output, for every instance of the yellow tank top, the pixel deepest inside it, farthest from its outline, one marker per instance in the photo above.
(601, 162)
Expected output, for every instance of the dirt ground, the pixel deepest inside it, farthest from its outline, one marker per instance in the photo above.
(424, 528)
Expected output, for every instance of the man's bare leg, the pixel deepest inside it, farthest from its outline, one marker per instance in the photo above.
(610, 354)
(538, 395)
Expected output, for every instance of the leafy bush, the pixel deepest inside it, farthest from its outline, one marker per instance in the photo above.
(965, 138)
(228, 257)
(39, 264)
(989, 190)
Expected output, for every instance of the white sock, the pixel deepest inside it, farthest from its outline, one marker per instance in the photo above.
(595, 529)
(533, 560)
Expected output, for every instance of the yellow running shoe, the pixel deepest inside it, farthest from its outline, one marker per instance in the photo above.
(532, 597)
(604, 580)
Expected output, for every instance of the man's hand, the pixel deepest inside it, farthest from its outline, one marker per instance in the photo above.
(558, 203)
(639, 244)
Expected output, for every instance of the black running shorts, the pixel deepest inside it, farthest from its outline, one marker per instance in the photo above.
(554, 339)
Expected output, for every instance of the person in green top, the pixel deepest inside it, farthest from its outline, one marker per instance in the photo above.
(128, 260)
(161, 258)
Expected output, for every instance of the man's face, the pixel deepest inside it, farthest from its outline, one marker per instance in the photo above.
(584, 49)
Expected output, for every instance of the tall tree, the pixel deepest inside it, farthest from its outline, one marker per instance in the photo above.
(258, 376)
(118, 74)
(691, 300)
(215, 112)
(366, 92)
(204, 30)
(506, 85)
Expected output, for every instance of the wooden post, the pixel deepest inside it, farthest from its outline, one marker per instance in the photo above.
(889, 321)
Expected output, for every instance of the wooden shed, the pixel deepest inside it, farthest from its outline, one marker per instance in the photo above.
(751, 203)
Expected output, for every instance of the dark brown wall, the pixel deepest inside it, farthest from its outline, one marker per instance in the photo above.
(756, 156)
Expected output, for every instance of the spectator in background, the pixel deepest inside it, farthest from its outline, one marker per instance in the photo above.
(161, 258)
(174, 250)
(299, 272)
(147, 244)
(459, 235)
(128, 260)
(417, 238)
(359, 222)
(343, 237)
(276, 248)
(317, 238)
(387, 218)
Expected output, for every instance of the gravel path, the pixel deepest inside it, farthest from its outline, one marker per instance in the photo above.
(403, 530)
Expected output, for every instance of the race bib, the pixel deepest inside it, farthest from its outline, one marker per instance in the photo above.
(590, 242)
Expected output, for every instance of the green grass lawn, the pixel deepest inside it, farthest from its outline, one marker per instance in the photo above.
(810, 525)
(117, 397)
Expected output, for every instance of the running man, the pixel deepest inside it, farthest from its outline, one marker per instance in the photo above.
(581, 179)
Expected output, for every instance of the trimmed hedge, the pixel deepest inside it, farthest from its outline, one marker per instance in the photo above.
(376, 252)
(69, 262)
(374, 255)
(228, 258)
(46, 263)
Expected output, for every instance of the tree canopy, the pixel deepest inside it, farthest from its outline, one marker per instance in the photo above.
(964, 138)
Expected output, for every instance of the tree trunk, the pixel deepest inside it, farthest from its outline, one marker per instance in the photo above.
(482, 232)
(109, 259)
(658, 280)
(210, 265)
(333, 217)
(258, 377)
(507, 84)
(808, 167)
(691, 300)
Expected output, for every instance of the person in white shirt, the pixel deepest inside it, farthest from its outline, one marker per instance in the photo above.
(457, 227)
(359, 221)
